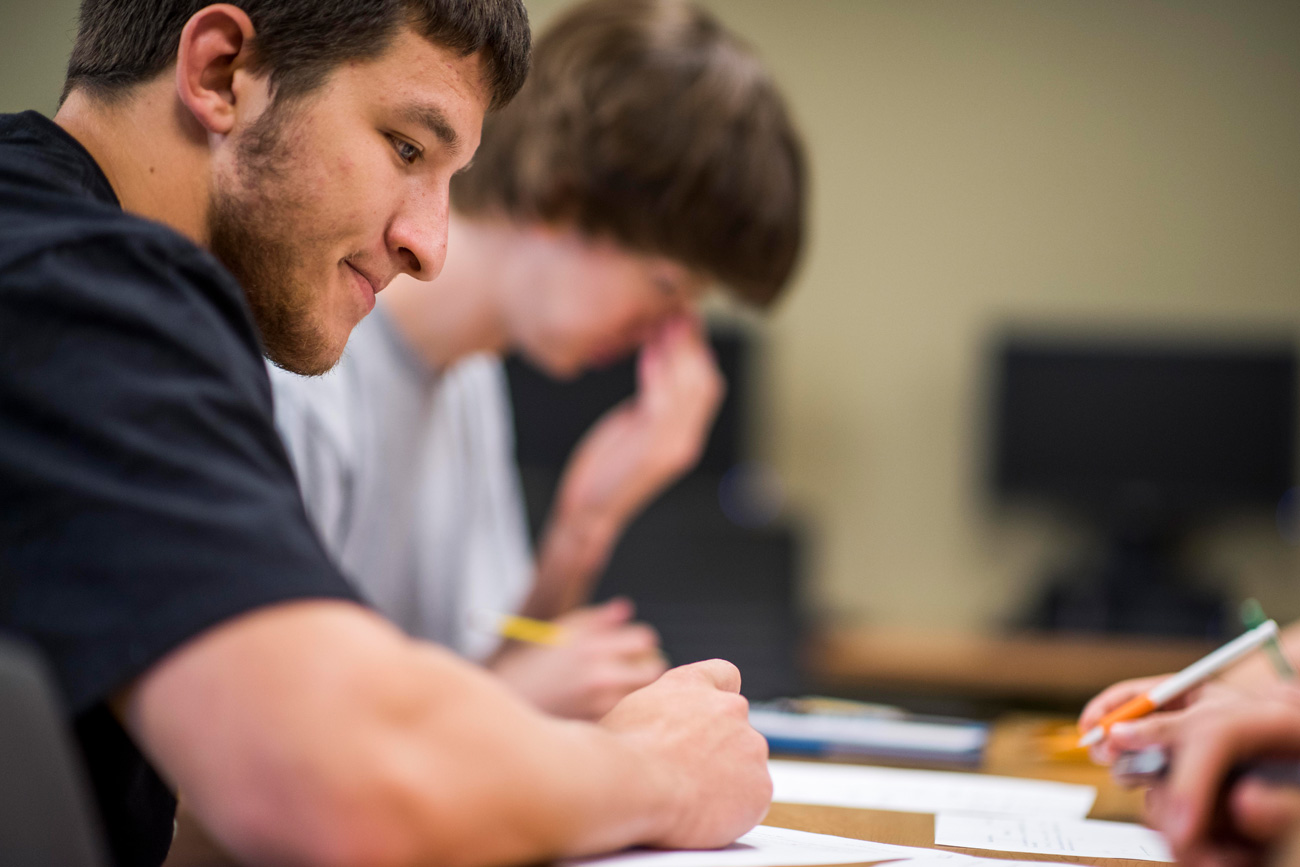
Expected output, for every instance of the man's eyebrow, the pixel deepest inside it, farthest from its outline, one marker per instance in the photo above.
(435, 121)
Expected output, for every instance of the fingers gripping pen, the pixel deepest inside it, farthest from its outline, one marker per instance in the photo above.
(1175, 685)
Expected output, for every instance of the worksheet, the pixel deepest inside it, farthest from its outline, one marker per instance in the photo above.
(925, 791)
(769, 847)
(1042, 836)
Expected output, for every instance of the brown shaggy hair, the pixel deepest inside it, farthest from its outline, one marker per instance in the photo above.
(647, 122)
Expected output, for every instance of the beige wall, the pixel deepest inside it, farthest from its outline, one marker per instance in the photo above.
(35, 37)
(1122, 162)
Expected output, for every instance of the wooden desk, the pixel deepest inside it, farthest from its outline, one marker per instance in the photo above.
(1011, 752)
(903, 829)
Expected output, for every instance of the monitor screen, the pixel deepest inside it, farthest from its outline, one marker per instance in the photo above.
(1193, 426)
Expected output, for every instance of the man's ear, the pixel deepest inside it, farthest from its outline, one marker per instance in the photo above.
(215, 44)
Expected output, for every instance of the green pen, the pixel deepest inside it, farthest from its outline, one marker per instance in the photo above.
(1252, 615)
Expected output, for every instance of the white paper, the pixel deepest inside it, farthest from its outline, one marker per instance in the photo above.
(909, 791)
(1082, 837)
(775, 847)
(926, 860)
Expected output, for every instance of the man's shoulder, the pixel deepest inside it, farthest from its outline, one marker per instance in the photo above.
(37, 157)
(474, 397)
(477, 381)
(45, 223)
(315, 410)
(62, 227)
(83, 257)
(376, 382)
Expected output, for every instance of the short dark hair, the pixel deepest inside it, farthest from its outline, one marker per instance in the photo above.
(122, 43)
(647, 122)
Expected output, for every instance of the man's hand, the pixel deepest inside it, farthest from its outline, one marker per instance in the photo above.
(1221, 729)
(604, 657)
(694, 726)
(631, 454)
(641, 445)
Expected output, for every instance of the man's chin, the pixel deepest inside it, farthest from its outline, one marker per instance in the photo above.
(300, 366)
(303, 355)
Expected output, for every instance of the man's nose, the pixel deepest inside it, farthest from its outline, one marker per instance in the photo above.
(417, 236)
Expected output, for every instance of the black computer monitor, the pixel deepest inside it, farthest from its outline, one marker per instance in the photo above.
(1140, 440)
(1188, 428)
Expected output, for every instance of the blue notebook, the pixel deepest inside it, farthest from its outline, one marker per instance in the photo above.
(895, 736)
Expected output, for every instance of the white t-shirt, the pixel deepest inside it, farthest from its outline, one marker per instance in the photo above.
(409, 476)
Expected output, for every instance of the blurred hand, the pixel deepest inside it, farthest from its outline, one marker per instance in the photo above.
(1223, 727)
(643, 444)
(605, 657)
(1114, 696)
(694, 726)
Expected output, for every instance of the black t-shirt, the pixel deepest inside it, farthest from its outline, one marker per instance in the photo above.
(144, 493)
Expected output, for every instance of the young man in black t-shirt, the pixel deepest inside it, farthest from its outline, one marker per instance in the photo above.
(152, 541)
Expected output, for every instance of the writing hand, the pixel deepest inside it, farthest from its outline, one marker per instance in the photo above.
(1208, 818)
(694, 726)
(1114, 696)
(604, 657)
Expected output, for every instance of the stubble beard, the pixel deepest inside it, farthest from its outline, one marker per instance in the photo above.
(252, 232)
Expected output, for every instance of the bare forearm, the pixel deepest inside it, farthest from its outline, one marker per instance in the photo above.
(543, 788)
(340, 741)
(625, 460)
(573, 552)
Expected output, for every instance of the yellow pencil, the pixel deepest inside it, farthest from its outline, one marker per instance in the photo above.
(519, 628)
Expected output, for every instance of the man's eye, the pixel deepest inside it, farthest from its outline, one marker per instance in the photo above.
(406, 152)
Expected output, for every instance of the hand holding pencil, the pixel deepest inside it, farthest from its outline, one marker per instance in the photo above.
(1207, 733)
(580, 664)
(1136, 698)
(1221, 799)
